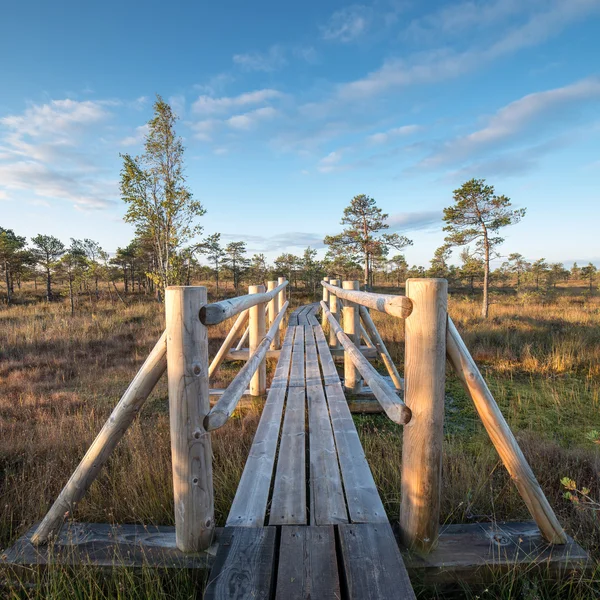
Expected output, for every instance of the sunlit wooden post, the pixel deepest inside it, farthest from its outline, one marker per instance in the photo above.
(191, 454)
(351, 325)
(326, 300)
(424, 381)
(258, 384)
(273, 312)
(282, 301)
(334, 309)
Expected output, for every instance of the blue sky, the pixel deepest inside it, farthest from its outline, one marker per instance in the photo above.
(290, 109)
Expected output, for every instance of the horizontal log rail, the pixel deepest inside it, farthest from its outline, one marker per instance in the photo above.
(397, 306)
(225, 406)
(393, 406)
(213, 314)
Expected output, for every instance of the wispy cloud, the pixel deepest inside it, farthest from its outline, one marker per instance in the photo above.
(413, 221)
(250, 119)
(385, 136)
(282, 242)
(137, 137)
(347, 24)
(208, 105)
(268, 61)
(515, 119)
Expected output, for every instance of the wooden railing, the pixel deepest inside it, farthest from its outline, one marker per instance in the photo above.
(430, 337)
(182, 351)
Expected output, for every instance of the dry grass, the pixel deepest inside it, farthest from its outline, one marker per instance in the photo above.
(61, 376)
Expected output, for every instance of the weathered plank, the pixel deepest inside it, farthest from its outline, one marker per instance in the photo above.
(297, 371)
(244, 564)
(288, 505)
(362, 497)
(477, 553)
(330, 374)
(302, 316)
(327, 504)
(250, 503)
(312, 319)
(373, 566)
(307, 564)
(313, 375)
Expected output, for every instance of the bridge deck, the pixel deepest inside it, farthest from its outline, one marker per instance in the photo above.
(307, 520)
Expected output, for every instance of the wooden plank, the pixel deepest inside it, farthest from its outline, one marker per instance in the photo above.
(249, 506)
(302, 316)
(288, 505)
(312, 319)
(244, 565)
(297, 371)
(330, 374)
(244, 354)
(373, 566)
(313, 375)
(307, 564)
(478, 553)
(362, 497)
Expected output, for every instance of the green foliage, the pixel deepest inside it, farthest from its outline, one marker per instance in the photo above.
(159, 203)
(236, 261)
(362, 237)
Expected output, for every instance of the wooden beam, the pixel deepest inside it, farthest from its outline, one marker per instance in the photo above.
(502, 437)
(273, 310)
(111, 433)
(244, 354)
(213, 314)
(257, 324)
(381, 348)
(189, 403)
(397, 306)
(394, 407)
(336, 310)
(425, 376)
(351, 323)
(222, 354)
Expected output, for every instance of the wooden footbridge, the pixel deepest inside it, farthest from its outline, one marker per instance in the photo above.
(307, 520)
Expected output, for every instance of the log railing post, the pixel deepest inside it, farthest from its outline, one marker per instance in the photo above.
(273, 312)
(326, 300)
(334, 309)
(424, 372)
(258, 384)
(351, 325)
(282, 301)
(191, 454)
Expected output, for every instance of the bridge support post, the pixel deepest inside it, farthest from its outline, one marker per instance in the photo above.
(326, 300)
(191, 453)
(258, 383)
(425, 374)
(273, 312)
(334, 309)
(282, 301)
(351, 323)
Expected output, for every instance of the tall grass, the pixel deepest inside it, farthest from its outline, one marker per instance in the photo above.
(60, 376)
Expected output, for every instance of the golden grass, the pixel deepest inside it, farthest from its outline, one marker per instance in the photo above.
(61, 376)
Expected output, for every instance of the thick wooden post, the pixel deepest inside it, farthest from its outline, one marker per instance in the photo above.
(282, 301)
(258, 384)
(334, 309)
(326, 300)
(425, 378)
(273, 312)
(351, 323)
(191, 454)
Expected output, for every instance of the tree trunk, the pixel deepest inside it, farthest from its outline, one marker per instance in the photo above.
(48, 285)
(486, 278)
(366, 276)
(125, 279)
(8, 295)
(71, 295)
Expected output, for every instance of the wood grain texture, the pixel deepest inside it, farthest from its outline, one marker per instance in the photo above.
(273, 309)
(297, 370)
(425, 377)
(189, 403)
(238, 327)
(330, 374)
(502, 437)
(335, 308)
(373, 566)
(282, 301)
(307, 564)
(288, 505)
(397, 306)
(249, 505)
(213, 314)
(244, 565)
(258, 329)
(326, 300)
(111, 433)
(373, 332)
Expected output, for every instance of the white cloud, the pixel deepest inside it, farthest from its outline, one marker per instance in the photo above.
(330, 162)
(412, 221)
(208, 105)
(347, 24)
(271, 60)
(250, 119)
(513, 120)
(386, 136)
(203, 130)
(137, 137)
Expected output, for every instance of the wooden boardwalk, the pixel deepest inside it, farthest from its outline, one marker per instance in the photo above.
(307, 520)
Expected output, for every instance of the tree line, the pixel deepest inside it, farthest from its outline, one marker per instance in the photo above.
(168, 247)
